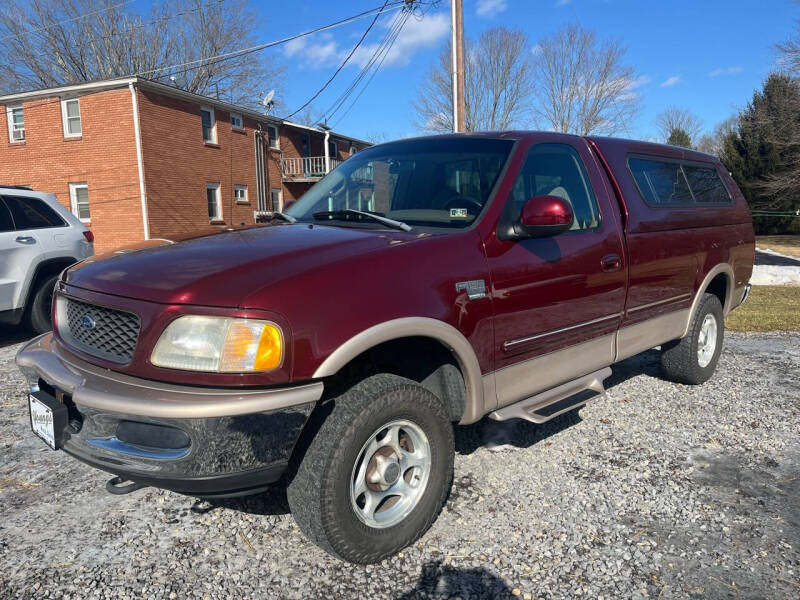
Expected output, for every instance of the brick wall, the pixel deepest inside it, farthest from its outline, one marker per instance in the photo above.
(178, 164)
(104, 157)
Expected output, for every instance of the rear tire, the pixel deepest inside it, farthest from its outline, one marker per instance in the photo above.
(376, 473)
(693, 359)
(39, 317)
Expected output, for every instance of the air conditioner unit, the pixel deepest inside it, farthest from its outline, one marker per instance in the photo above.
(18, 135)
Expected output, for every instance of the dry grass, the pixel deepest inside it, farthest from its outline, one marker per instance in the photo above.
(785, 244)
(769, 308)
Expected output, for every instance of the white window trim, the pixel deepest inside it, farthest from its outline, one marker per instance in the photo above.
(279, 208)
(241, 120)
(353, 149)
(65, 119)
(238, 187)
(9, 117)
(73, 200)
(210, 109)
(213, 185)
(277, 145)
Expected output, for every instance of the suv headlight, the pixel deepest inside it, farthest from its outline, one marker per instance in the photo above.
(219, 344)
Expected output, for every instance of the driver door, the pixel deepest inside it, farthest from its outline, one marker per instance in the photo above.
(558, 300)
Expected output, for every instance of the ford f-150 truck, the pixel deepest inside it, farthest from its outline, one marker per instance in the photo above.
(422, 284)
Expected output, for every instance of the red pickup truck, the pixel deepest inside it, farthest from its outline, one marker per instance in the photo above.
(421, 284)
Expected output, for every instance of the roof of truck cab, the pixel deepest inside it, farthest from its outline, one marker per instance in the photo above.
(611, 145)
(605, 144)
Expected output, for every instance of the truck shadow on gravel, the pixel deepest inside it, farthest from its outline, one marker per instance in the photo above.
(443, 581)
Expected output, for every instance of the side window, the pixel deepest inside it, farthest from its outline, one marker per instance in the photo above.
(79, 201)
(661, 183)
(556, 170)
(6, 222)
(706, 185)
(32, 213)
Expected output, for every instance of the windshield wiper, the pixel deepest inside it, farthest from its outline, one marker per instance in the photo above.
(283, 217)
(335, 214)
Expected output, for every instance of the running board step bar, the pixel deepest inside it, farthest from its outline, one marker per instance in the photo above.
(556, 401)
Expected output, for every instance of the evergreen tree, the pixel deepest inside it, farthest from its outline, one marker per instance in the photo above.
(679, 137)
(763, 152)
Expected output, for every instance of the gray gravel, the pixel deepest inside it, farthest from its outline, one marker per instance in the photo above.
(654, 490)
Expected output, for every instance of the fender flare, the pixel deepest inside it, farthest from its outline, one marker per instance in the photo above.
(720, 268)
(404, 327)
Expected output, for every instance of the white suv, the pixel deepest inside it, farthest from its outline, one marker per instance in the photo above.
(39, 238)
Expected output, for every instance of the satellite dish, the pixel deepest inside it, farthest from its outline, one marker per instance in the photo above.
(268, 101)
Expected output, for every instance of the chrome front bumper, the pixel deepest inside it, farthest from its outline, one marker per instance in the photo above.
(236, 440)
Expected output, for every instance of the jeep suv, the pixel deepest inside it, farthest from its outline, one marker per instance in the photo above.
(422, 284)
(39, 238)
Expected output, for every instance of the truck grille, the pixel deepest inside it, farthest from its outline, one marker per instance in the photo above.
(102, 332)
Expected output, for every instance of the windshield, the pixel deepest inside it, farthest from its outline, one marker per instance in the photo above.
(430, 182)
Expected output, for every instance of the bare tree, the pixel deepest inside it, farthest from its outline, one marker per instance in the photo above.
(46, 43)
(672, 118)
(582, 84)
(497, 84)
(714, 142)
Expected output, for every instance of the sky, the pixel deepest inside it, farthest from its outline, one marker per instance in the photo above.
(705, 55)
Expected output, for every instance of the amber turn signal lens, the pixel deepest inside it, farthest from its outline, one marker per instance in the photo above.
(270, 349)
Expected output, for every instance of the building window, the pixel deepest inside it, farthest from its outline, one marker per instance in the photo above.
(209, 125)
(353, 149)
(214, 202)
(71, 117)
(79, 200)
(16, 123)
(236, 121)
(333, 149)
(272, 134)
(240, 193)
(277, 199)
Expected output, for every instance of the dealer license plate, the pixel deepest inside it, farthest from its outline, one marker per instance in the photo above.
(42, 421)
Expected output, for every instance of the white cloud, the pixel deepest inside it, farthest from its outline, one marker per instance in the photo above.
(725, 71)
(323, 50)
(670, 81)
(490, 8)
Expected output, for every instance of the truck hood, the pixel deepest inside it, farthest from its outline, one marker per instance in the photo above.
(224, 269)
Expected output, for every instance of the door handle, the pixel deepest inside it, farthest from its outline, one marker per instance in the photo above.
(25, 239)
(611, 263)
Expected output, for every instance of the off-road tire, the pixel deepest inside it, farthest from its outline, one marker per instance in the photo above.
(319, 491)
(679, 361)
(38, 317)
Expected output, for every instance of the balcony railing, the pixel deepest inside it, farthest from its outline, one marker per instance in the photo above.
(308, 168)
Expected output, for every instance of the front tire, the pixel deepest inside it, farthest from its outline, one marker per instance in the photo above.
(693, 359)
(375, 475)
(40, 310)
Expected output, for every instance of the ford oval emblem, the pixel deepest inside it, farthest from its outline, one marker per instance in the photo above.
(88, 322)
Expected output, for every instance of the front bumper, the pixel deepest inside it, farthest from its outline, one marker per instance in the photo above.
(233, 441)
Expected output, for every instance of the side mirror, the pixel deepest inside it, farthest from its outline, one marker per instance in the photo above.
(542, 216)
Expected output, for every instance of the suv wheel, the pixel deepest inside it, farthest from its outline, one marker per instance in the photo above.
(39, 316)
(693, 359)
(377, 472)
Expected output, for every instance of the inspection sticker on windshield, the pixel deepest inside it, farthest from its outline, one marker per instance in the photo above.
(458, 213)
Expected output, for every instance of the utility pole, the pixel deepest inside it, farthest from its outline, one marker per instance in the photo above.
(457, 45)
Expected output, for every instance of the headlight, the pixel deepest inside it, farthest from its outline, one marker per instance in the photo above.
(219, 344)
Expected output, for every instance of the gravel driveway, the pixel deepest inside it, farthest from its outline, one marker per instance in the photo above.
(654, 490)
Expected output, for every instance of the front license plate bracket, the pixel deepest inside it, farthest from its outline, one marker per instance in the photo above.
(48, 418)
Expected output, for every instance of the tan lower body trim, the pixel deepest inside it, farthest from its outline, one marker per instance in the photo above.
(543, 372)
(650, 333)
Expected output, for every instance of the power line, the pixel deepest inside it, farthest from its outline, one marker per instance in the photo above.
(70, 20)
(202, 62)
(162, 19)
(341, 66)
(379, 56)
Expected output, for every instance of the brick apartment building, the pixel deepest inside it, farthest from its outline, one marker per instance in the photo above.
(135, 159)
